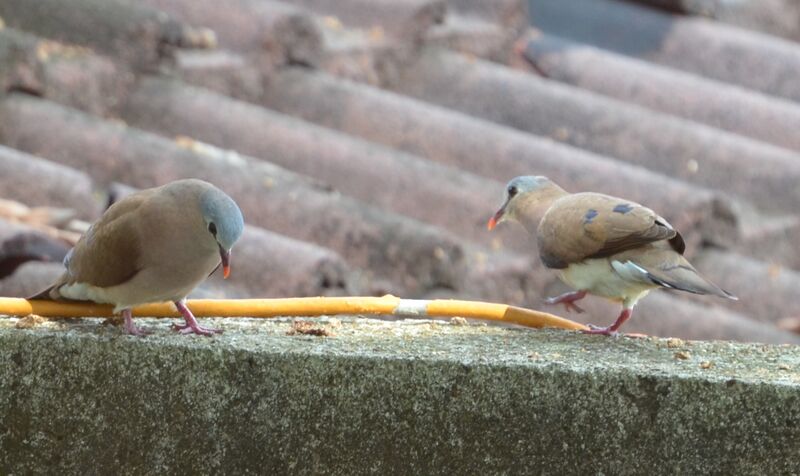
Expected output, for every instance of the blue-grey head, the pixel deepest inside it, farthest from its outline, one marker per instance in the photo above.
(521, 194)
(224, 221)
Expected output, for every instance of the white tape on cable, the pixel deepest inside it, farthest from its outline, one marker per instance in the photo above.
(412, 307)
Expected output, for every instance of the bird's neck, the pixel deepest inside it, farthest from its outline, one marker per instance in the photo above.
(530, 212)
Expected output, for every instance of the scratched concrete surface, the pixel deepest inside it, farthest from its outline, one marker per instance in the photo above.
(408, 397)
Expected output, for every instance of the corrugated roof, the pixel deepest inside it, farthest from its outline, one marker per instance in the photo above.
(368, 142)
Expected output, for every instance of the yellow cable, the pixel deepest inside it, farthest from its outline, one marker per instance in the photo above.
(311, 306)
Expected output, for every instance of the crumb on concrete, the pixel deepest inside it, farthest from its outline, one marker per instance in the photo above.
(309, 329)
(30, 321)
(112, 321)
(674, 342)
(683, 355)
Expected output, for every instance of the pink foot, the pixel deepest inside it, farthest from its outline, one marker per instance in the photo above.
(613, 328)
(599, 330)
(191, 326)
(568, 300)
(196, 329)
(130, 327)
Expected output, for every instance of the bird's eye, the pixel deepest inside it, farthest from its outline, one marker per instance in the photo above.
(512, 190)
(212, 228)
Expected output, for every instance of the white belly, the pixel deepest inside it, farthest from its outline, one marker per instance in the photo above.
(87, 292)
(598, 277)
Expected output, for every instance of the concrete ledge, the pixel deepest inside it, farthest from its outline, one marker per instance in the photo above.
(416, 397)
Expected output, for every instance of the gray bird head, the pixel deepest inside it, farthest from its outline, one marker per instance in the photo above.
(224, 221)
(521, 194)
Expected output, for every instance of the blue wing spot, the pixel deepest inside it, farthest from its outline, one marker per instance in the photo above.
(590, 214)
(623, 208)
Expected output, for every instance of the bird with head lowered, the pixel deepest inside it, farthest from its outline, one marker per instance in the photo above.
(601, 245)
(152, 246)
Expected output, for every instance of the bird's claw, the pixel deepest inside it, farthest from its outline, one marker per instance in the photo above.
(199, 330)
(131, 329)
(136, 332)
(568, 300)
(600, 330)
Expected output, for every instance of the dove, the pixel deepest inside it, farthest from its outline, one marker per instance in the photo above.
(601, 245)
(154, 245)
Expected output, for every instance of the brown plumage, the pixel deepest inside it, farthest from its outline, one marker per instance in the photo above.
(152, 246)
(601, 245)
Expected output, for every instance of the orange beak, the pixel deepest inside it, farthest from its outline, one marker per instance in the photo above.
(226, 262)
(495, 219)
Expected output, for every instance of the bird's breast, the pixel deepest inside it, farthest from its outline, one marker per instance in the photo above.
(588, 274)
(598, 277)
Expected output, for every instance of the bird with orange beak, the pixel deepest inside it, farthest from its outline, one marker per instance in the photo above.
(152, 246)
(601, 245)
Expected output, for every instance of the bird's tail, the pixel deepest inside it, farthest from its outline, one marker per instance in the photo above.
(51, 293)
(47, 294)
(675, 272)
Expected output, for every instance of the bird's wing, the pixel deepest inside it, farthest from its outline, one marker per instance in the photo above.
(593, 225)
(110, 251)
